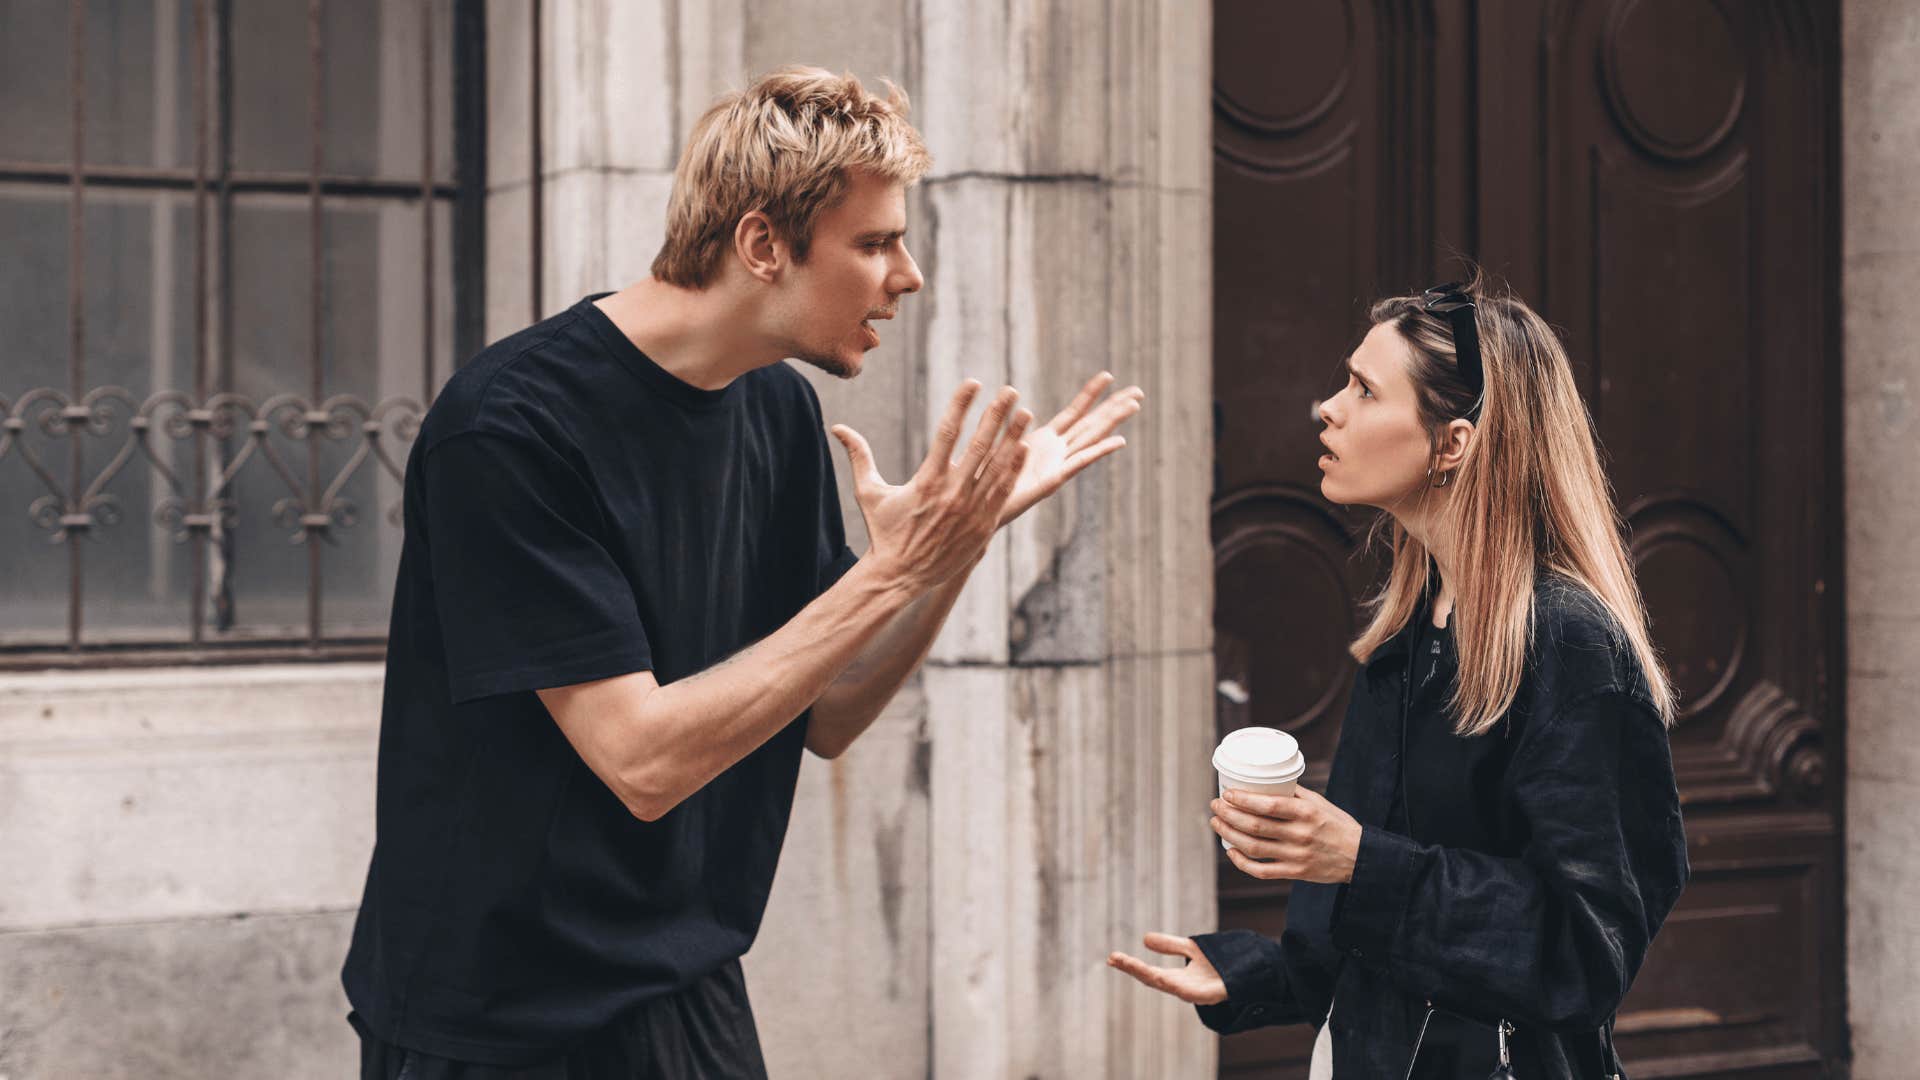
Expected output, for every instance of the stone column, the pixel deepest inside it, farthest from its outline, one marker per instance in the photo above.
(1881, 274)
(1070, 700)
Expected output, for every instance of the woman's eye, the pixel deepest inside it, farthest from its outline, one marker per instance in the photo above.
(1366, 391)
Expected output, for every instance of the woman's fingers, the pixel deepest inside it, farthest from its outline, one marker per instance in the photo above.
(1172, 945)
(1197, 983)
(1247, 843)
(1165, 980)
(1265, 871)
(1254, 825)
(1281, 807)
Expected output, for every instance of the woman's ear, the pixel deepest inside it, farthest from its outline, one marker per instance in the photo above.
(759, 250)
(1455, 441)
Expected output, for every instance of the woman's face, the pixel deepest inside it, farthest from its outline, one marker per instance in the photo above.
(1378, 449)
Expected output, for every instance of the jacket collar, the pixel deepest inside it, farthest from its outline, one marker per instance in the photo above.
(1400, 645)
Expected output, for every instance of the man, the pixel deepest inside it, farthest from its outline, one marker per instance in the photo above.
(626, 602)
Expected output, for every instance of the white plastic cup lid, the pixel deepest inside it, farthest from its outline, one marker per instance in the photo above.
(1259, 754)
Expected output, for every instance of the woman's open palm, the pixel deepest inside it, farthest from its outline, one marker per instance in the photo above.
(1197, 983)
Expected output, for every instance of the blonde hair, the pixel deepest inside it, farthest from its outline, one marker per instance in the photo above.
(784, 146)
(1530, 497)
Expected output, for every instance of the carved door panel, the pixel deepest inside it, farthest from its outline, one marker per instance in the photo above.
(1657, 177)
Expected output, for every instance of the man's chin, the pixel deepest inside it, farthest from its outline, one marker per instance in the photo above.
(837, 366)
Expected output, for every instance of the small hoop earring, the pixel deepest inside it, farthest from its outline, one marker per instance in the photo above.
(1444, 477)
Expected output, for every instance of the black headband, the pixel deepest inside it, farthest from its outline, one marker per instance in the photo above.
(1452, 301)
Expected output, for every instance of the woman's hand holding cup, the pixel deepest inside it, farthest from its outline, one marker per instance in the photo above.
(1296, 837)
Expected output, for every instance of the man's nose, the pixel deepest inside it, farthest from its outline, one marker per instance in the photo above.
(906, 279)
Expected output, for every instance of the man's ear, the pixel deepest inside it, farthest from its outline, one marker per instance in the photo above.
(759, 249)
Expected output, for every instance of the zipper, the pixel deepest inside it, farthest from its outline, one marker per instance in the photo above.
(1406, 714)
(1418, 1039)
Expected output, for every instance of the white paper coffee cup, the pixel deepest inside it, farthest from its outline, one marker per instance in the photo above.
(1260, 760)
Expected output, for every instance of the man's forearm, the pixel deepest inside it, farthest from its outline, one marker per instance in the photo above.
(855, 700)
(690, 731)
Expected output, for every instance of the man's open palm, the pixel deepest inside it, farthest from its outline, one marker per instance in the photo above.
(1079, 436)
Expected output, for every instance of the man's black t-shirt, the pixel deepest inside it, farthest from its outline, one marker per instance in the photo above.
(574, 512)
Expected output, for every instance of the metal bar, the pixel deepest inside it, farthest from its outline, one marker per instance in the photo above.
(470, 177)
(317, 117)
(76, 324)
(537, 224)
(253, 182)
(219, 544)
(146, 654)
(197, 554)
(426, 196)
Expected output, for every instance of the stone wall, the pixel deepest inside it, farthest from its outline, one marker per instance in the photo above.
(1881, 277)
(184, 849)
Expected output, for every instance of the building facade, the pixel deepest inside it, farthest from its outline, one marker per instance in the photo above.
(294, 219)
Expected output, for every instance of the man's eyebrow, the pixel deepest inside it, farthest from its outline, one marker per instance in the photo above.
(881, 234)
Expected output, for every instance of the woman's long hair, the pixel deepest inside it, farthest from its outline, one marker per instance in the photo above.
(1530, 497)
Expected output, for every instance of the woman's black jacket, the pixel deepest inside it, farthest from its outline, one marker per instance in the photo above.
(1536, 864)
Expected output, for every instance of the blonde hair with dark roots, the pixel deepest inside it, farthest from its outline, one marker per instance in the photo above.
(1530, 496)
(784, 146)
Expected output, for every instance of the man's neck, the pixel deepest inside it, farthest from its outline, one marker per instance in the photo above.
(703, 337)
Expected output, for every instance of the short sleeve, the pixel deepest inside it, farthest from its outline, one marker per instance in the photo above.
(528, 595)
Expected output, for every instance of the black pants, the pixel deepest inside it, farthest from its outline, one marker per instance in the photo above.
(704, 1032)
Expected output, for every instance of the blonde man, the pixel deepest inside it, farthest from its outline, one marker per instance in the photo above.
(626, 603)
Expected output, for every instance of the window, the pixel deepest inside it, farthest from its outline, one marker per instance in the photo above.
(243, 248)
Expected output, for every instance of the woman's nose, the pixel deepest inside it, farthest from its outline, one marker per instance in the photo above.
(1323, 412)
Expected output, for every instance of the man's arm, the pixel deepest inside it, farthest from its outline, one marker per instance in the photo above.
(653, 745)
(1079, 436)
(855, 700)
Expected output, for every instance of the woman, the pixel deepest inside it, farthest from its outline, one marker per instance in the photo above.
(1500, 837)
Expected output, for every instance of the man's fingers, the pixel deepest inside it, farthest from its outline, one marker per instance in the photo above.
(947, 433)
(859, 455)
(1081, 402)
(988, 431)
(1111, 414)
(1008, 453)
(1083, 458)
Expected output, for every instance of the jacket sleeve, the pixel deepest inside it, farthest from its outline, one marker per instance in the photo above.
(1262, 977)
(1554, 937)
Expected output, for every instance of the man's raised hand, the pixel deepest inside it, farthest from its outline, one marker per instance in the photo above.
(1079, 436)
(938, 523)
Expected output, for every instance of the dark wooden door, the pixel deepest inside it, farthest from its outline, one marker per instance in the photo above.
(1657, 177)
